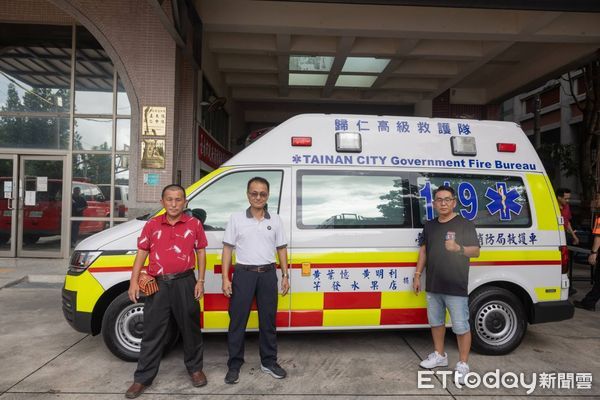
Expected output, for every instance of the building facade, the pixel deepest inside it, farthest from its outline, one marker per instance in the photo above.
(99, 109)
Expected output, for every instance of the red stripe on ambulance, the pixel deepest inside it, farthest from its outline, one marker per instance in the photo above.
(403, 316)
(352, 300)
(307, 318)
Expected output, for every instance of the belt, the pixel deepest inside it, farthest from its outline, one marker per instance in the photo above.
(172, 277)
(256, 268)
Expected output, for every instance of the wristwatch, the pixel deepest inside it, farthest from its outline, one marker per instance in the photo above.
(461, 250)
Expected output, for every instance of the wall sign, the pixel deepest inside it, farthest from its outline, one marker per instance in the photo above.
(154, 121)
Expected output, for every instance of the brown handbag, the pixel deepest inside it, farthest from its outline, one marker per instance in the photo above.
(147, 284)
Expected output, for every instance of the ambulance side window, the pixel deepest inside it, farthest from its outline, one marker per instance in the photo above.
(489, 201)
(216, 202)
(352, 199)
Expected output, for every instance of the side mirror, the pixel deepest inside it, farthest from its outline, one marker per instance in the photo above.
(200, 214)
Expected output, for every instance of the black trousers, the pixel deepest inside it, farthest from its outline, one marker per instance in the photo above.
(246, 285)
(174, 298)
(75, 231)
(592, 297)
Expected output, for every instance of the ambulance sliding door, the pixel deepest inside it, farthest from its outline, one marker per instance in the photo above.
(354, 250)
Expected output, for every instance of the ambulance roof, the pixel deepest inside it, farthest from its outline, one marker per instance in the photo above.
(392, 141)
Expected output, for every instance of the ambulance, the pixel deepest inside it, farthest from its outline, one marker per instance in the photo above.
(353, 192)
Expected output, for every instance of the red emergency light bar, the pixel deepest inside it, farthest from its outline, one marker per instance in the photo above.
(506, 147)
(305, 141)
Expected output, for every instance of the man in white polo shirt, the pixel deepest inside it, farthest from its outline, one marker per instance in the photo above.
(255, 235)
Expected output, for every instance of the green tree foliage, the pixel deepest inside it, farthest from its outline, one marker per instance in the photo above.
(49, 132)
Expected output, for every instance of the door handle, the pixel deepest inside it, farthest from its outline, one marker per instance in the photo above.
(10, 205)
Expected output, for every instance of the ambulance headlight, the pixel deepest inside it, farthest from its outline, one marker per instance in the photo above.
(81, 260)
(463, 146)
(348, 142)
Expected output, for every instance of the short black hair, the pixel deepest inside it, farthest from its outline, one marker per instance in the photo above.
(260, 180)
(172, 186)
(560, 192)
(446, 189)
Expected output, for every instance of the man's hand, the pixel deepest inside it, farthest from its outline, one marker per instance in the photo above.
(134, 291)
(199, 290)
(575, 239)
(592, 259)
(452, 246)
(417, 283)
(227, 288)
(285, 285)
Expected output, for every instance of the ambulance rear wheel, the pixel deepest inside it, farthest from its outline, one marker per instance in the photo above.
(123, 326)
(498, 321)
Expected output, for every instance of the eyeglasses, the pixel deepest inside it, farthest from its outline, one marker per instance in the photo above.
(258, 194)
(445, 200)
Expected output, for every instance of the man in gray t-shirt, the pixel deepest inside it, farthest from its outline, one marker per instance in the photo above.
(448, 243)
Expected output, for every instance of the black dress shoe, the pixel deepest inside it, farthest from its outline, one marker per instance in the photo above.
(134, 390)
(582, 305)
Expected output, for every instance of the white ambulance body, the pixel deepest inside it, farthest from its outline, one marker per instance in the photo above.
(353, 192)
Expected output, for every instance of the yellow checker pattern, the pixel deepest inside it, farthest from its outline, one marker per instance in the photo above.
(364, 317)
(404, 299)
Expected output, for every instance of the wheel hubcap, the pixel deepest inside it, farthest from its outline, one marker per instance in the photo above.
(496, 323)
(130, 326)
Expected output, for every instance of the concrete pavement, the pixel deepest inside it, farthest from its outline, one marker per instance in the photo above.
(42, 357)
(15, 270)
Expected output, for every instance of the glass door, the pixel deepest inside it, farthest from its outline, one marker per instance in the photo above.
(41, 200)
(8, 194)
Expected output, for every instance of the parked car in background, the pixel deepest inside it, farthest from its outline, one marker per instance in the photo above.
(121, 204)
(44, 218)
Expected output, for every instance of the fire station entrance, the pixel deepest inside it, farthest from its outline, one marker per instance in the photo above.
(34, 207)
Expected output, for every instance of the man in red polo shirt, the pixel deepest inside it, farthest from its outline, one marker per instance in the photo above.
(174, 241)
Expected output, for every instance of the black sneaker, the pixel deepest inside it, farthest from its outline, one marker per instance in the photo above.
(582, 305)
(233, 376)
(274, 370)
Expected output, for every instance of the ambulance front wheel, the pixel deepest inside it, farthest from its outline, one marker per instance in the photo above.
(498, 321)
(123, 325)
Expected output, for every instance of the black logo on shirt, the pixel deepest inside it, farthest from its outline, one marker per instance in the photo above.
(269, 227)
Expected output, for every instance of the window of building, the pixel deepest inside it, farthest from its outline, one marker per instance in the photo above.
(88, 118)
(101, 128)
(35, 76)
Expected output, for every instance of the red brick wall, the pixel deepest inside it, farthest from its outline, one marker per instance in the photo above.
(442, 108)
(33, 12)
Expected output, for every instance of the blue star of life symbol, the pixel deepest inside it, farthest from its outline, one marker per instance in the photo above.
(503, 201)
(296, 159)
